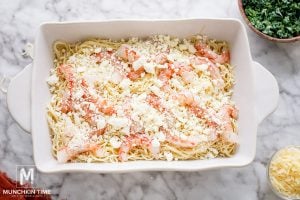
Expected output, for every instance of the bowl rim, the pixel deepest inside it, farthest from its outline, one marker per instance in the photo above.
(263, 35)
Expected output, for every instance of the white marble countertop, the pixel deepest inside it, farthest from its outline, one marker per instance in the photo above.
(19, 22)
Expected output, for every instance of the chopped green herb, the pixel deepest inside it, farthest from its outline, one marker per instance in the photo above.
(276, 18)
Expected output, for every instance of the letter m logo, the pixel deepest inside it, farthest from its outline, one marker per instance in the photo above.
(25, 174)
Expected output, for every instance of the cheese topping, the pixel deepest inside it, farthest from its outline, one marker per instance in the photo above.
(155, 98)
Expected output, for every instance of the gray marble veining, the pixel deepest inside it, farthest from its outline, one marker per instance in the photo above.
(19, 22)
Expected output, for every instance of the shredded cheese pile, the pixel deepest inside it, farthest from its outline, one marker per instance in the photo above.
(284, 172)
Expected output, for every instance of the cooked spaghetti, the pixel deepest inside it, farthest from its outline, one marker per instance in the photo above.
(157, 98)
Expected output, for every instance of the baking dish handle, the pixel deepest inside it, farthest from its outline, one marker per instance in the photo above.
(19, 98)
(266, 92)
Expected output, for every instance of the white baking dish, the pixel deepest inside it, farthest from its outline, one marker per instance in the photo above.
(255, 93)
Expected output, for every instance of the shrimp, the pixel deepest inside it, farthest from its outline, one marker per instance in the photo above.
(127, 54)
(101, 104)
(100, 56)
(132, 141)
(176, 140)
(104, 107)
(154, 101)
(98, 132)
(204, 50)
(213, 70)
(181, 68)
(221, 119)
(223, 58)
(88, 114)
(198, 111)
(134, 75)
(186, 98)
(161, 59)
(135, 127)
(185, 71)
(66, 104)
(216, 76)
(227, 113)
(65, 154)
(66, 72)
(189, 100)
(166, 74)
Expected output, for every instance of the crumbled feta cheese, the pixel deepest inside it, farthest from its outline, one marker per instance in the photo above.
(62, 156)
(98, 50)
(183, 136)
(100, 152)
(183, 47)
(139, 63)
(104, 64)
(155, 146)
(188, 77)
(81, 69)
(168, 155)
(78, 94)
(92, 107)
(158, 83)
(231, 137)
(191, 49)
(198, 138)
(52, 80)
(125, 83)
(202, 67)
(174, 42)
(101, 122)
(116, 77)
(115, 142)
(72, 59)
(78, 141)
(118, 122)
(149, 68)
(125, 130)
(160, 136)
(203, 84)
(175, 83)
(156, 90)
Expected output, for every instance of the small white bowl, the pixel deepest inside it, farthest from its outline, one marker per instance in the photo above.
(282, 196)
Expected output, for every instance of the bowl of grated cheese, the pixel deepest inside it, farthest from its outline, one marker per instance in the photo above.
(283, 173)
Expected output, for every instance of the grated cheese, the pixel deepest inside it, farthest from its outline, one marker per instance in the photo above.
(284, 172)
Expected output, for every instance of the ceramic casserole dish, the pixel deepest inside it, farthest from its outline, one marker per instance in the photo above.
(255, 92)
